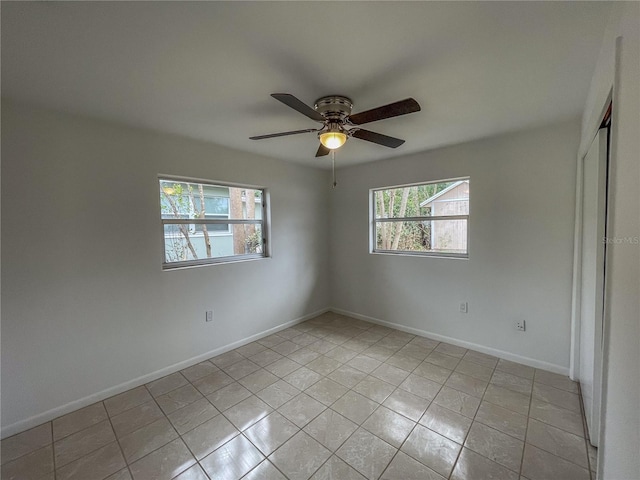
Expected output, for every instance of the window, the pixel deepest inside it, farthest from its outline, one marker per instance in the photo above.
(211, 222)
(421, 219)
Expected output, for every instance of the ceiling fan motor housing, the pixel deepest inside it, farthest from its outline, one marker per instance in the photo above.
(334, 107)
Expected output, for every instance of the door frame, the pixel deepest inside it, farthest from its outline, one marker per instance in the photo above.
(576, 313)
(576, 297)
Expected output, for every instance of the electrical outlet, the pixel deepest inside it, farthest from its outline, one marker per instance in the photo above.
(520, 325)
(464, 307)
(209, 316)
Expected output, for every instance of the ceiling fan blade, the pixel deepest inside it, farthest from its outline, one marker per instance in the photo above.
(402, 107)
(299, 105)
(322, 151)
(283, 134)
(378, 138)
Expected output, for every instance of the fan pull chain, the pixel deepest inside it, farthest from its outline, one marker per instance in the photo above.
(333, 167)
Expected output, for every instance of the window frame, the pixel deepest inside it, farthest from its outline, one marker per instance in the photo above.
(373, 221)
(263, 222)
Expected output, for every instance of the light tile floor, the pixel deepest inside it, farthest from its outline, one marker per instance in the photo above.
(331, 398)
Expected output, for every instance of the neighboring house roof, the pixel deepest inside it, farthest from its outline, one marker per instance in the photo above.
(439, 194)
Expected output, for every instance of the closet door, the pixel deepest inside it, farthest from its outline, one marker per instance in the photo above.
(592, 279)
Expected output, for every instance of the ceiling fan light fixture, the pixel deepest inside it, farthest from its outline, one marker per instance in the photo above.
(333, 139)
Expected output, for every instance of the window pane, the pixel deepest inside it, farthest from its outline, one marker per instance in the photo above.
(433, 199)
(216, 205)
(188, 242)
(214, 228)
(218, 227)
(433, 236)
(449, 206)
(175, 205)
(170, 216)
(179, 243)
(247, 239)
(245, 203)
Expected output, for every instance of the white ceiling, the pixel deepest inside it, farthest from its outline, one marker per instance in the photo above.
(206, 69)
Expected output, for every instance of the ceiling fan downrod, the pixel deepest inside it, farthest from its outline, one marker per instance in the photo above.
(333, 167)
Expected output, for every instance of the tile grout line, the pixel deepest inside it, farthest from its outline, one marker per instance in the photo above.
(399, 449)
(414, 427)
(526, 429)
(53, 451)
(327, 407)
(379, 405)
(587, 440)
(584, 436)
(332, 453)
(155, 449)
(462, 446)
(242, 432)
(531, 397)
(364, 421)
(83, 428)
(416, 423)
(180, 436)
(90, 452)
(118, 442)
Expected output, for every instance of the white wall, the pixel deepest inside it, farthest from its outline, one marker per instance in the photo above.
(86, 306)
(618, 455)
(522, 189)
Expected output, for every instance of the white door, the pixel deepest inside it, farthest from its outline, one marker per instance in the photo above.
(592, 279)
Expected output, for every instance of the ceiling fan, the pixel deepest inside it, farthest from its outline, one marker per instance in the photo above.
(334, 112)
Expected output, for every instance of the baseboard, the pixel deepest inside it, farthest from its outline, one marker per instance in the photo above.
(531, 362)
(49, 415)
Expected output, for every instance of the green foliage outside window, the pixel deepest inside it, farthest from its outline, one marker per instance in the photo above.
(405, 202)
